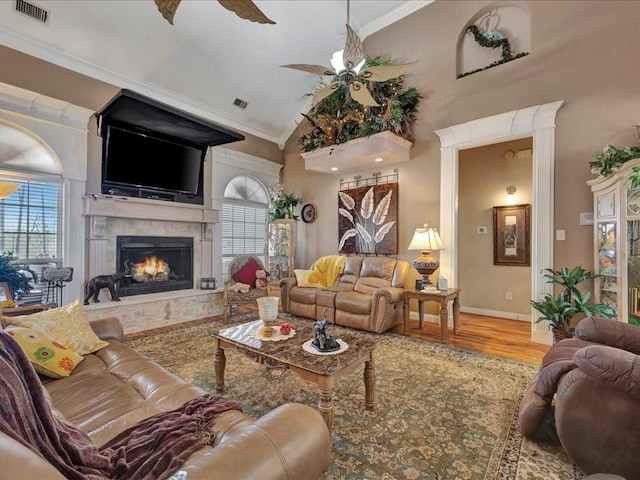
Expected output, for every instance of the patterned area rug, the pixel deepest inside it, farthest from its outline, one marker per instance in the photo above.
(440, 413)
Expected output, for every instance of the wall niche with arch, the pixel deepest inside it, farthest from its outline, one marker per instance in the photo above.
(497, 34)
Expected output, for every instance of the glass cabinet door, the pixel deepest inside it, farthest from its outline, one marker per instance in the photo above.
(281, 249)
(633, 270)
(607, 264)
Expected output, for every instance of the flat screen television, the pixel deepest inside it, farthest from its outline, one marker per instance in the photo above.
(145, 165)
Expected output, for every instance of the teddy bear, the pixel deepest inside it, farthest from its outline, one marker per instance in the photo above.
(240, 287)
(261, 279)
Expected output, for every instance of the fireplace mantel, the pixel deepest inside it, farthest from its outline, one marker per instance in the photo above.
(147, 209)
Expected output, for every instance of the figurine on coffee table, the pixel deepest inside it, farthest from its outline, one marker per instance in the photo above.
(321, 342)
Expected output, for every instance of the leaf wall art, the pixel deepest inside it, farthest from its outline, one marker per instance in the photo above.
(367, 220)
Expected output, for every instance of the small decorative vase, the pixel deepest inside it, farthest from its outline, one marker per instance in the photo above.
(268, 309)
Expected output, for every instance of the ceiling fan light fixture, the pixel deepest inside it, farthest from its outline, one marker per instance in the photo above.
(338, 65)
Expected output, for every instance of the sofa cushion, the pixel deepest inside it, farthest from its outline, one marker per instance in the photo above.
(303, 295)
(66, 325)
(247, 274)
(368, 285)
(354, 302)
(47, 357)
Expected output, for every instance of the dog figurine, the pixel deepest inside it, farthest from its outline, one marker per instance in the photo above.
(103, 281)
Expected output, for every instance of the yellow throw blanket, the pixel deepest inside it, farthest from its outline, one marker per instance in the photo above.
(326, 270)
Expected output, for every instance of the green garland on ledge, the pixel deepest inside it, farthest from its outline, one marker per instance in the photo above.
(492, 42)
(338, 118)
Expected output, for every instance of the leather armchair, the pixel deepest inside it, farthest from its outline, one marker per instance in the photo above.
(596, 381)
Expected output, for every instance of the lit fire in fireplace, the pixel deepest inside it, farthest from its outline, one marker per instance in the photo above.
(152, 269)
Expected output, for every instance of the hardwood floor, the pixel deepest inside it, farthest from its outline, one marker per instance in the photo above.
(494, 336)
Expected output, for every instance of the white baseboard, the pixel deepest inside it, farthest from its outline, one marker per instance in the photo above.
(431, 318)
(496, 313)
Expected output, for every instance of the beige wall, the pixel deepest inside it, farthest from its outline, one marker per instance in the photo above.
(484, 175)
(583, 52)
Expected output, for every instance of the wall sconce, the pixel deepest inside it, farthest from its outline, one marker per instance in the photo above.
(511, 195)
(426, 240)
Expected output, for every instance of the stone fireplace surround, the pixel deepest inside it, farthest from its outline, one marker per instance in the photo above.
(110, 216)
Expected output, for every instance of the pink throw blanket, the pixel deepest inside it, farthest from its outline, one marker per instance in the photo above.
(152, 449)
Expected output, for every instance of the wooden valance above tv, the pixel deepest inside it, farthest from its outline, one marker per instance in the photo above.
(145, 114)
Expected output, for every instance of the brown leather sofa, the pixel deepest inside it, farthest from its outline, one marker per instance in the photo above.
(116, 387)
(588, 391)
(369, 295)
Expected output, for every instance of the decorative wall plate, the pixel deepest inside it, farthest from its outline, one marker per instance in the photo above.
(308, 213)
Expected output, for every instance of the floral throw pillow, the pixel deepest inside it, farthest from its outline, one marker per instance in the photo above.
(66, 325)
(47, 357)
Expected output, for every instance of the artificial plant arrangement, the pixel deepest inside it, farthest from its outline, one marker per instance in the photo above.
(338, 118)
(569, 302)
(495, 39)
(281, 204)
(611, 158)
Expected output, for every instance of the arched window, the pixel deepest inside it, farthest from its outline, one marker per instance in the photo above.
(244, 219)
(30, 217)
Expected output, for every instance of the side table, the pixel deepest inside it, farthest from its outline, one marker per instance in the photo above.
(442, 297)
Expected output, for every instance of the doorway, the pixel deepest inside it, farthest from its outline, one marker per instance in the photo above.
(537, 122)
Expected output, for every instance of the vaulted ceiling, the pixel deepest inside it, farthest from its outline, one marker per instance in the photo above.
(209, 57)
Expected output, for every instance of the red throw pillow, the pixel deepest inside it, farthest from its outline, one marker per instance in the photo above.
(247, 274)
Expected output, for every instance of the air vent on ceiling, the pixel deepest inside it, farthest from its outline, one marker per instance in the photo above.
(240, 103)
(32, 10)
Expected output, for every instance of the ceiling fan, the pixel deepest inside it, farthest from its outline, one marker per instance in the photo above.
(245, 9)
(347, 65)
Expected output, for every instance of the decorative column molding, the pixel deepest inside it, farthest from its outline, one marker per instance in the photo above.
(73, 248)
(537, 121)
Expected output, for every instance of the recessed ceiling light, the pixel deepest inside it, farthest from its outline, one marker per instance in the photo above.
(379, 159)
(334, 169)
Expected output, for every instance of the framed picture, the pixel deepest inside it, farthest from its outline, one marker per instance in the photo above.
(511, 235)
(6, 299)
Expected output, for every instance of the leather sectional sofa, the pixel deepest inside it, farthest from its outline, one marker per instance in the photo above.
(587, 392)
(368, 295)
(116, 387)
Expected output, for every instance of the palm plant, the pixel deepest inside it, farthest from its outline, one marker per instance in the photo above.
(570, 301)
(11, 274)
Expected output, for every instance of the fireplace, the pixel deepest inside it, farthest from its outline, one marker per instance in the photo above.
(154, 264)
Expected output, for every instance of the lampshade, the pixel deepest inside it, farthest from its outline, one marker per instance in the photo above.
(7, 188)
(426, 240)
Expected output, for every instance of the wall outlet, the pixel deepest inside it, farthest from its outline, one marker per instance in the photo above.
(560, 235)
(509, 296)
(481, 230)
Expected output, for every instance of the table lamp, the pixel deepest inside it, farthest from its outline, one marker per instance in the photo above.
(426, 240)
(7, 188)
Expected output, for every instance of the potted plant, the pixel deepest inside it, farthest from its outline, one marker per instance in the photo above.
(570, 301)
(11, 273)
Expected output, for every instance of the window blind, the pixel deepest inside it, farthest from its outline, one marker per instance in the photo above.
(30, 220)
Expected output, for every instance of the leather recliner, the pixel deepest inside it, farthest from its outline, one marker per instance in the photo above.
(588, 390)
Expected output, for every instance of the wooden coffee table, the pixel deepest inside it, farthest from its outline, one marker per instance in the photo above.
(323, 370)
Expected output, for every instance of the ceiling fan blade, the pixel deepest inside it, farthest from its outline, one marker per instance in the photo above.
(382, 73)
(318, 69)
(353, 53)
(167, 8)
(324, 92)
(246, 9)
(360, 94)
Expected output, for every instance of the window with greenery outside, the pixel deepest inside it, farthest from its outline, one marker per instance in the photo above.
(338, 118)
